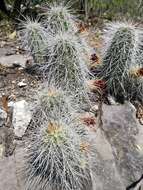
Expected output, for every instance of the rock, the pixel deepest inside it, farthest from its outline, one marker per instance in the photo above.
(106, 175)
(13, 60)
(111, 100)
(8, 180)
(21, 117)
(11, 177)
(7, 141)
(22, 84)
(123, 132)
(3, 116)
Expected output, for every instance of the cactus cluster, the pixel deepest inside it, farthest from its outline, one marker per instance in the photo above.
(57, 154)
(56, 43)
(120, 56)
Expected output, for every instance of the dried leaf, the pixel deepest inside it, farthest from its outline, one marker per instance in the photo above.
(5, 103)
(12, 35)
(84, 147)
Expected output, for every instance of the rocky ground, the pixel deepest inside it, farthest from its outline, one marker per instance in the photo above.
(118, 138)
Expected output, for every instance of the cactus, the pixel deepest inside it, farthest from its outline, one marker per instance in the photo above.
(57, 156)
(34, 39)
(58, 18)
(49, 99)
(67, 64)
(122, 44)
(52, 98)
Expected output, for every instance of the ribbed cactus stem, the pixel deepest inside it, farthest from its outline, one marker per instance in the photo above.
(58, 17)
(121, 49)
(34, 38)
(57, 156)
(67, 65)
(52, 98)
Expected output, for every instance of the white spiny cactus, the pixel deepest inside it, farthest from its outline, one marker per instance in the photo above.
(59, 17)
(34, 38)
(57, 156)
(121, 50)
(67, 62)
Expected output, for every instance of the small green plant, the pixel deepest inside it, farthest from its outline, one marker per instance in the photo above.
(122, 45)
(57, 156)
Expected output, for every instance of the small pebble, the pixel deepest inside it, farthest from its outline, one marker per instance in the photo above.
(22, 84)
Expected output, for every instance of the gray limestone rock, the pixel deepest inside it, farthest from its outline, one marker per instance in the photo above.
(21, 117)
(123, 132)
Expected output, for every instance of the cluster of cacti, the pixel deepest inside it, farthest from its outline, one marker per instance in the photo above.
(121, 55)
(57, 154)
(57, 44)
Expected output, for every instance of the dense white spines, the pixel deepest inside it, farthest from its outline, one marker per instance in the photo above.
(59, 17)
(57, 153)
(57, 156)
(121, 50)
(34, 38)
(66, 62)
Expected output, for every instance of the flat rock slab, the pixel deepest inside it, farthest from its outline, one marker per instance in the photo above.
(122, 130)
(21, 117)
(106, 175)
(8, 179)
(10, 170)
(8, 61)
